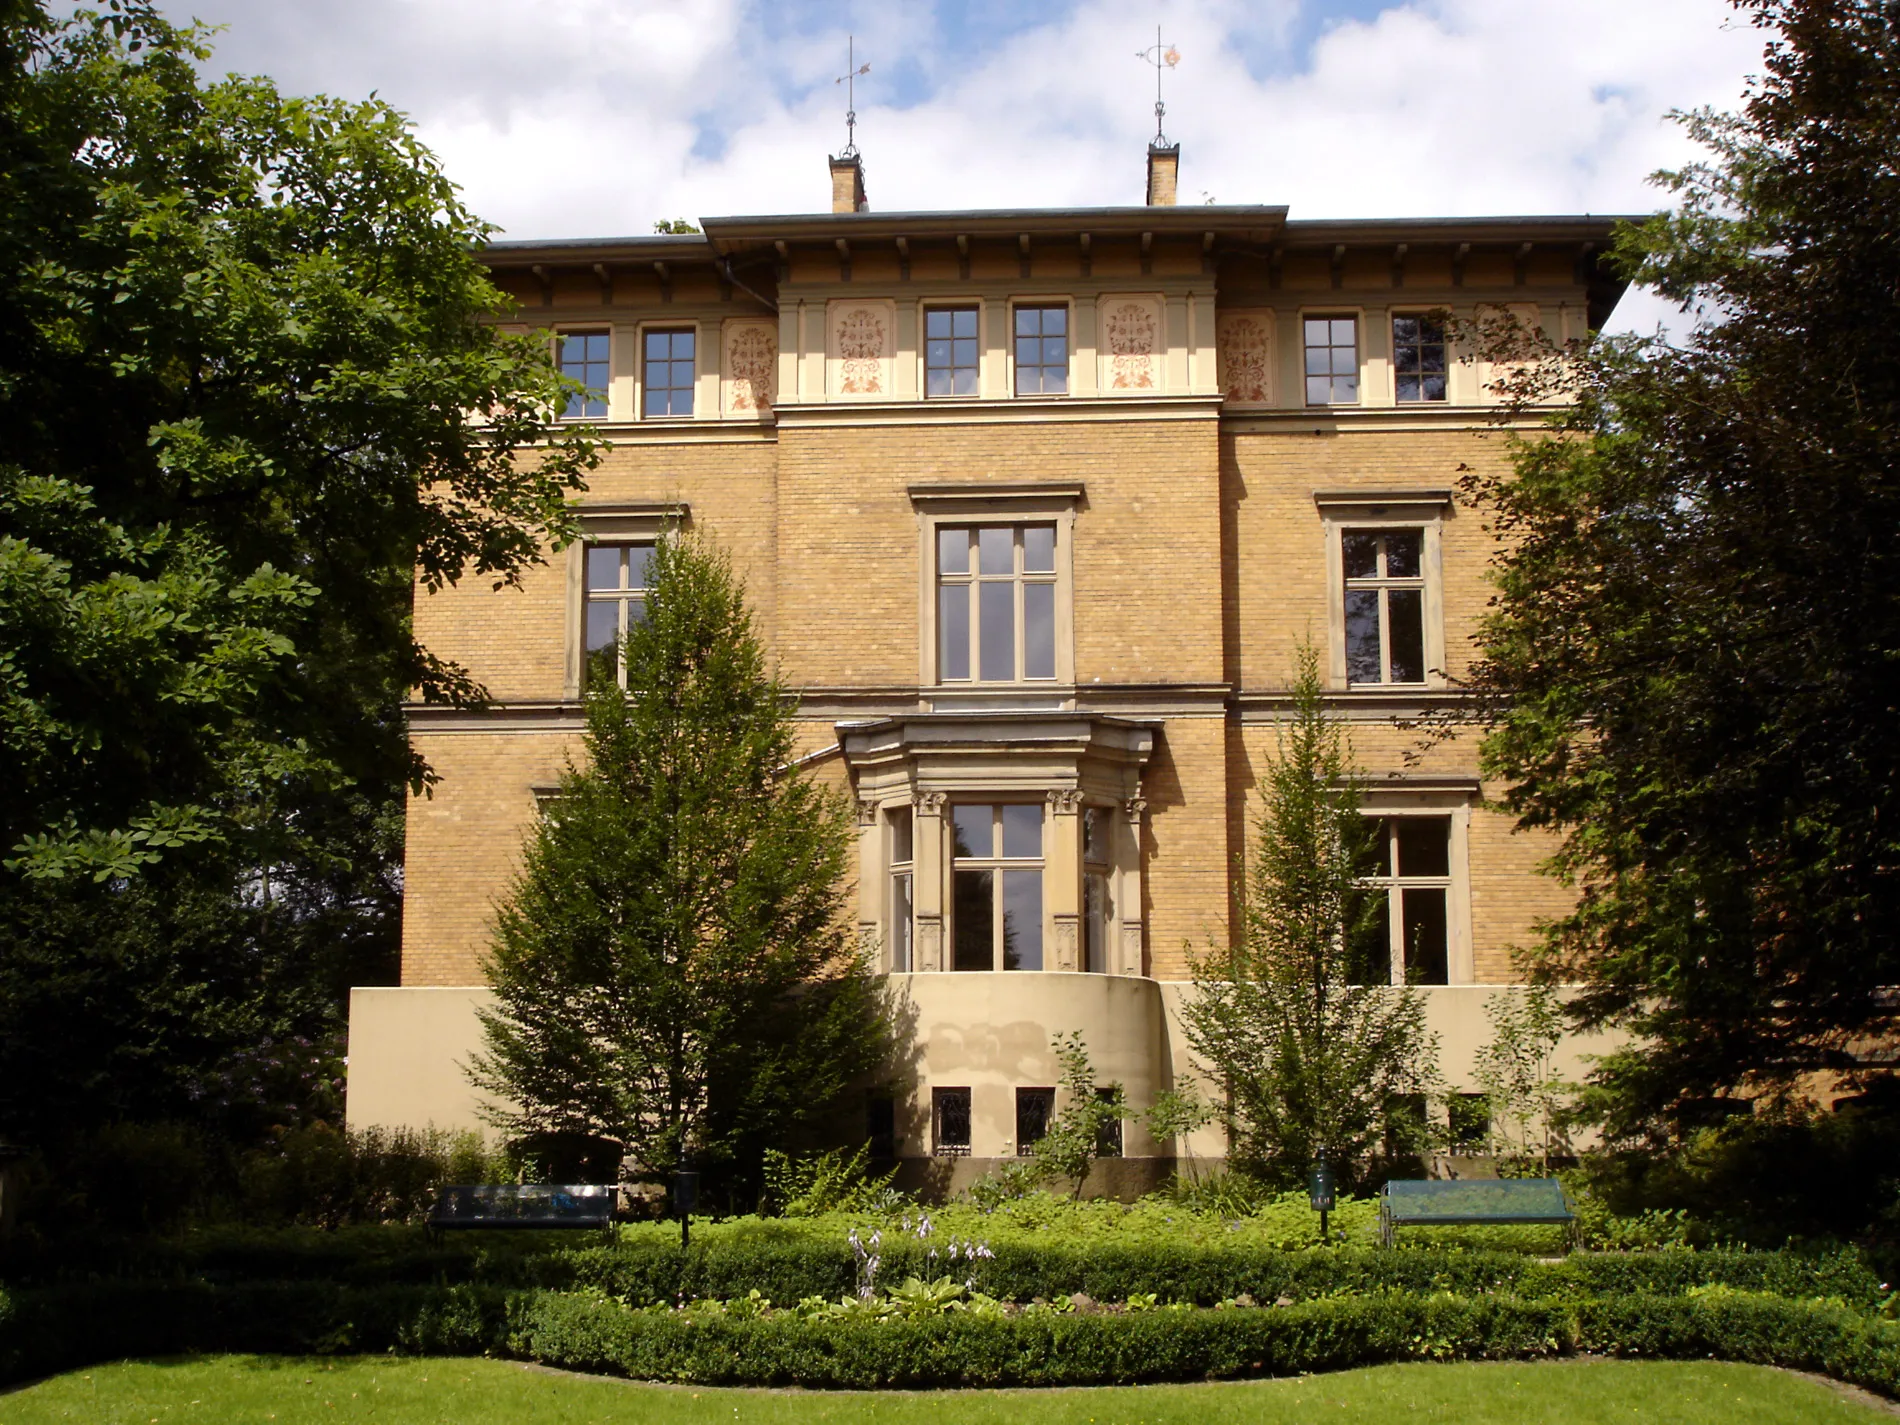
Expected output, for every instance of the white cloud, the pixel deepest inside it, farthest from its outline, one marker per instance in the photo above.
(582, 117)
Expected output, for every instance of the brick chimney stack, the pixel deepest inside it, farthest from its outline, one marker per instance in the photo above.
(847, 185)
(1164, 170)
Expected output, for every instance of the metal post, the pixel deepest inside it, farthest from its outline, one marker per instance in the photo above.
(685, 1199)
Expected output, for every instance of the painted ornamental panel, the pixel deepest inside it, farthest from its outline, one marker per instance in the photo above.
(1244, 343)
(751, 367)
(860, 345)
(1130, 345)
(1502, 320)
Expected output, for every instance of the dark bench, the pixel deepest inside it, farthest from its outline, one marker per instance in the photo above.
(584, 1206)
(1474, 1201)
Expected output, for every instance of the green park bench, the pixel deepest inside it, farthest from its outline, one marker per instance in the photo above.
(538, 1206)
(1506, 1202)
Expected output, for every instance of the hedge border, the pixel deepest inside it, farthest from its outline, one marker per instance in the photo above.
(46, 1332)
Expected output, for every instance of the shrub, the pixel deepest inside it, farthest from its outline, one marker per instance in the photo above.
(324, 1177)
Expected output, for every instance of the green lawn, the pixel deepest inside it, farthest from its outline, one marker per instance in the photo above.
(239, 1390)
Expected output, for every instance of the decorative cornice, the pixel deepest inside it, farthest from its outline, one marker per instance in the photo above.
(1007, 410)
(1384, 498)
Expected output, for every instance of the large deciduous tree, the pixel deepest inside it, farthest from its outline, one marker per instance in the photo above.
(1695, 650)
(249, 388)
(675, 972)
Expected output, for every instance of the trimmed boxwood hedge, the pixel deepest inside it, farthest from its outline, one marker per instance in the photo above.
(788, 1266)
(63, 1328)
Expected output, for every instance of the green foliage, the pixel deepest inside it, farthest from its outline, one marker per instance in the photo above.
(831, 1181)
(1525, 1097)
(1692, 651)
(926, 1341)
(240, 338)
(1294, 1018)
(1084, 1118)
(673, 972)
(329, 1178)
(673, 225)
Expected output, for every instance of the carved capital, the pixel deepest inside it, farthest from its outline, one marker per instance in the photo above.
(1131, 948)
(1134, 808)
(867, 813)
(929, 803)
(1064, 803)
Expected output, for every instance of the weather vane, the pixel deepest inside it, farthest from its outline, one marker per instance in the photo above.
(850, 80)
(1161, 58)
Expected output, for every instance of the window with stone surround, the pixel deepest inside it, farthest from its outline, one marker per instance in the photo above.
(1418, 358)
(584, 356)
(996, 603)
(996, 886)
(1332, 360)
(1413, 865)
(615, 600)
(1042, 351)
(668, 372)
(1384, 573)
(903, 860)
(1096, 912)
(950, 351)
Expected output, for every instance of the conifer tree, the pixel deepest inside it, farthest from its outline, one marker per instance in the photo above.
(673, 971)
(1295, 1019)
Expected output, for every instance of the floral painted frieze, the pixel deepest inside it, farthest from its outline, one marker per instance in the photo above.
(1131, 344)
(861, 348)
(1244, 343)
(751, 367)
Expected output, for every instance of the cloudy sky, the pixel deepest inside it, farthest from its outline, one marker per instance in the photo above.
(569, 118)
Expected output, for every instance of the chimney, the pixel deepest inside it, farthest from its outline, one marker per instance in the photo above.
(847, 185)
(1164, 168)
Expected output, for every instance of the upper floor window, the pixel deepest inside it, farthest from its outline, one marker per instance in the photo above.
(1042, 351)
(616, 601)
(996, 603)
(583, 356)
(1413, 866)
(1418, 359)
(950, 357)
(996, 890)
(669, 373)
(1384, 604)
(1332, 360)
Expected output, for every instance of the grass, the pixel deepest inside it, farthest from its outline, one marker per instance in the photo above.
(240, 1390)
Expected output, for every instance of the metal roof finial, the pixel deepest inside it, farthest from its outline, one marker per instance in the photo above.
(850, 80)
(1161, 57)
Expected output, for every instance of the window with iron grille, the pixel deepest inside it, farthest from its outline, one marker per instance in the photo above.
(1034, 1109)
(950, 1123)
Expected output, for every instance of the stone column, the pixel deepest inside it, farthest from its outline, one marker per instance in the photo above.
(1129, 960)
(927, 878)
(871, 882)
(1062, 880)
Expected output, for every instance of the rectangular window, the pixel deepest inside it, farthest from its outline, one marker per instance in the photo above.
(996, 603)
(881, 1127)
(1034, 1109)
(667, 382)
(1042, 351)
(1385, 605)
(1108, 1135)
(950, 356)
(902, 852)
(1332, 361)
(583, 356)
(616, 601)
(1418, 359)
(1412, 863)
(996, 886)
(950, 1123)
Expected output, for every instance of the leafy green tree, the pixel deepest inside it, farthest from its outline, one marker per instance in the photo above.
(1525, 1097)
(1294, 1018)
(241, 339)
(674, 970)
(1692, 657)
